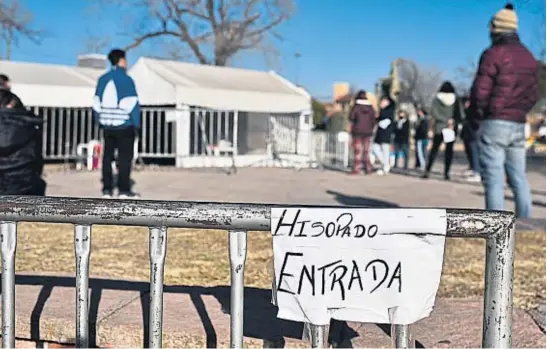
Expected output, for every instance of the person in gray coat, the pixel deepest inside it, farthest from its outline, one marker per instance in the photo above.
(444, 107)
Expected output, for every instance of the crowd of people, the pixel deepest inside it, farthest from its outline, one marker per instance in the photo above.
(490, 121)
(392, 131)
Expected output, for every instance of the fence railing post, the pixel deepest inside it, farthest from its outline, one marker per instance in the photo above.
(82, 249)
(238, 254)
(158, 244)
(401, 337)
(319, 336)
(498, 293)
(8, 235)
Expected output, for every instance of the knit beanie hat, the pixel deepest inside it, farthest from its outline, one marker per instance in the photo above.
(505, 20)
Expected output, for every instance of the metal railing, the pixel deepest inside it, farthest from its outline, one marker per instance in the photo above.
(496, 227)
(332, 150)
(66, 128)
(208, 132)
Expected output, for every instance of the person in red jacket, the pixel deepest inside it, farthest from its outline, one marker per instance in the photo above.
(362, 117)
(504, 90)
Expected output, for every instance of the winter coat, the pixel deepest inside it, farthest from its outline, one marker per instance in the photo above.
(21, 161)
(421, 128)
(116, 104)
(383, 134)
(402, 131)
(362, 118)
(442, 110)
(506, 85)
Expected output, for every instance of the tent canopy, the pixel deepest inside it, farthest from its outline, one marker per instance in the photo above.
(50, 85)
(164, 82)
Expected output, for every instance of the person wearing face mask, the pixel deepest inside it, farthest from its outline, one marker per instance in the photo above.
(401, 139)
(505, 89)
(420, 136)
(384, 131)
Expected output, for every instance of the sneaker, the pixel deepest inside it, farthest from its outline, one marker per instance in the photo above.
(107, 195)
(380, 172)
(129, 195)
(468, 173)
(425, 175)
(475, 178)
(446, 177)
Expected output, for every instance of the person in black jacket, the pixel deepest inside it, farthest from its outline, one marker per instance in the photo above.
(402, 134)
(384, 131)
(421, 138)
(21, 161)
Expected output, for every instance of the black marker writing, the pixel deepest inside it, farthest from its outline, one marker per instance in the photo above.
(343, 226)
(340, 275)
(285, 261)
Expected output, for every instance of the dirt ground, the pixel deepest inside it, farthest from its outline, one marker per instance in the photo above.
(199, 257)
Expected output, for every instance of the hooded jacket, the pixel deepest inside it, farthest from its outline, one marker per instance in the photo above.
(362, 117)
(442, 110)
(21, 161)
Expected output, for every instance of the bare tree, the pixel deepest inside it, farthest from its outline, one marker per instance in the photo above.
(212, 31)
(465, 74)
(96, 44)
(417, 85)
(16, 22)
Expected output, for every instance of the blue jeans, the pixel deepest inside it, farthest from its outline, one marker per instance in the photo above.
(421, 151)
(502, 152)
(475, 163)
(401, 149)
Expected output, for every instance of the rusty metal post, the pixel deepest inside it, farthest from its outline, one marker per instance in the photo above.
(238, 254)
(401, 337)
(158, 244)
(8, 236)
(498, 293)
(82, 249)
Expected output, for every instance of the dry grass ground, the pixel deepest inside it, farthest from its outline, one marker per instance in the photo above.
(197, 257)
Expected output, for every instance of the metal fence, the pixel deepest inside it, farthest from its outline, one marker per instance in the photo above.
(496, 227)
(66, 128)
(332, 150)
(209, 132)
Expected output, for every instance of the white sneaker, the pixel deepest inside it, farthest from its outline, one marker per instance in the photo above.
(475, 178)
(468, 173)
(380, 172)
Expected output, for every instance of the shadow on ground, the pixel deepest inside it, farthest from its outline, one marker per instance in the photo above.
(350, 200)
(260, 316)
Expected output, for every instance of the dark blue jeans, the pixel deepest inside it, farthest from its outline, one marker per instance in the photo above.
(401, 149)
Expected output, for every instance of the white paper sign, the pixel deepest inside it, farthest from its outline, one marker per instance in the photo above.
(363, 265)
(384, 123)
(449, 135)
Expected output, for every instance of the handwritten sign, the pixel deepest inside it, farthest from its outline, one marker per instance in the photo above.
(364, 265)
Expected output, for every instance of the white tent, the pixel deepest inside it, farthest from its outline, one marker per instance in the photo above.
(50, 85)
(164, 82)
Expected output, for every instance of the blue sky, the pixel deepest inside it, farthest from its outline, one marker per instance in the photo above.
(339, 40)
